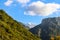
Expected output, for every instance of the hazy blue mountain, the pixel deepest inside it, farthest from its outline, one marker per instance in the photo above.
(30, 25)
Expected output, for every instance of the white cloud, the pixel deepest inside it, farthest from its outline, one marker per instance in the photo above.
(8, 2)
(41, 9)
(30, 13)
(23, 2)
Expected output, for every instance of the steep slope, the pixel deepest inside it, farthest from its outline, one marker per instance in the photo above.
(12, 30)
(50, 27)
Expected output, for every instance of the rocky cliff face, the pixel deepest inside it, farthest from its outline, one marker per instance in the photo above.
(48, 27)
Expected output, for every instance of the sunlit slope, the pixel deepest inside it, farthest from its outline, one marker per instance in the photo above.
(12, 30)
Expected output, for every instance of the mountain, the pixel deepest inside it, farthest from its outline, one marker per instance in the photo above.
(10, 29)
(50, 27)
(30, 25)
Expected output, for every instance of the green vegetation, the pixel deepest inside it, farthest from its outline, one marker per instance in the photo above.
(12, 30)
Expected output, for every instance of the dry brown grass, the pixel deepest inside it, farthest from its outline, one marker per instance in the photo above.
(57, 38)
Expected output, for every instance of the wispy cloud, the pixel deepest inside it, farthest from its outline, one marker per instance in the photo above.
(41, 9)
(23, 1)
(8, 2)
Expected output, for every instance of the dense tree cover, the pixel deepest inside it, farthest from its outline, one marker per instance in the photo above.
(12, 30)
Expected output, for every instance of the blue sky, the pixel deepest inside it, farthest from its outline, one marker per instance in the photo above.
(31, 11)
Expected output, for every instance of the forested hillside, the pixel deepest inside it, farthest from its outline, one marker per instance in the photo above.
(10, 29)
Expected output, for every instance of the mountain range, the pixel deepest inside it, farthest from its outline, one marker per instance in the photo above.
(11, 29)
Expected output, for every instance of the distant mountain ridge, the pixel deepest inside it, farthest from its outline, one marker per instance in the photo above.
(48, 27)
(10, 29)
(30, 25)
